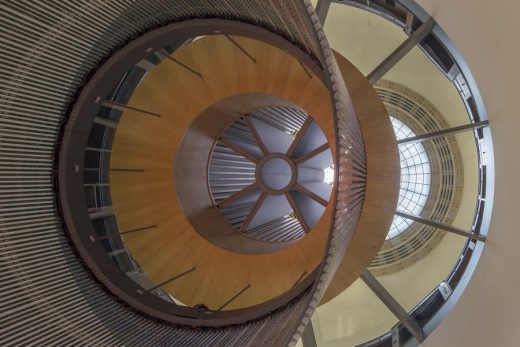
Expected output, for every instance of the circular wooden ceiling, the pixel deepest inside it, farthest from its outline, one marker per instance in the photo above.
(151, 143)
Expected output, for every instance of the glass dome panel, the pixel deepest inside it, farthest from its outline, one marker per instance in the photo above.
(415, 178)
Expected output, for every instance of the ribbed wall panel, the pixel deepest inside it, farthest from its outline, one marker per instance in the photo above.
(287, 119)
(47, 51)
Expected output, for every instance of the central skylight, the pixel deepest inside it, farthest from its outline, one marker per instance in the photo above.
(415, 178)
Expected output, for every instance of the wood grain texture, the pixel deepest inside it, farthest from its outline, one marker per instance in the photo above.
(150, 198)
(383, 179)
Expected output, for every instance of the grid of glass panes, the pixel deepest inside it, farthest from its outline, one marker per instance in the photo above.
(415, 178)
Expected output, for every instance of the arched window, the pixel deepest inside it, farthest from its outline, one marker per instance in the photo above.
(415, 178)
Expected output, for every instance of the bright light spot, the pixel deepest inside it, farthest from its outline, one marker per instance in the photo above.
(328, 175)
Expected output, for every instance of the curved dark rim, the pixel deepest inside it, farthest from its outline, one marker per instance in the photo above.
(70, 174)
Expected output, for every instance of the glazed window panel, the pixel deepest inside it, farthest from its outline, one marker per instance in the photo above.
(415, 178)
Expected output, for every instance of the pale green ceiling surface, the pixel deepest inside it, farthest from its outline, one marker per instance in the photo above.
(357, 315)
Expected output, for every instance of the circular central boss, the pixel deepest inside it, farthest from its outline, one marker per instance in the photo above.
(276, 173)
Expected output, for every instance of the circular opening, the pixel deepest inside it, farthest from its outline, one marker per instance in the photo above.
(276, 173)
(94, 223)
(264, 175)
(415, 178)
(264, 193)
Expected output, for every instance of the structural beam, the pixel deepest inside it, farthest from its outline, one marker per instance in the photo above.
(311, 195)
(238, 195)
(256, 135)
(297, 212)
(116, 252)
(299, 136)
(239, 150)
(444, 132)
(127, 232)
(106, 122)
(442, 226)
(171, 279)
(100, 212)
(121, 107)
(312, 153)
(196, 73)
(409, 22)
(322, 9)
(241, 48)
(163, 54)
(138, 229)
(253, 212)
(124, 170)
(100, 169)
(308, 336)
(409, 323)
(418, 35)
(234, 297)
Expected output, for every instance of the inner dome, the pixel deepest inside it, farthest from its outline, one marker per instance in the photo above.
(266, 173)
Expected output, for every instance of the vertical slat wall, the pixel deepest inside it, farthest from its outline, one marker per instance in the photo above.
(47, 51)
